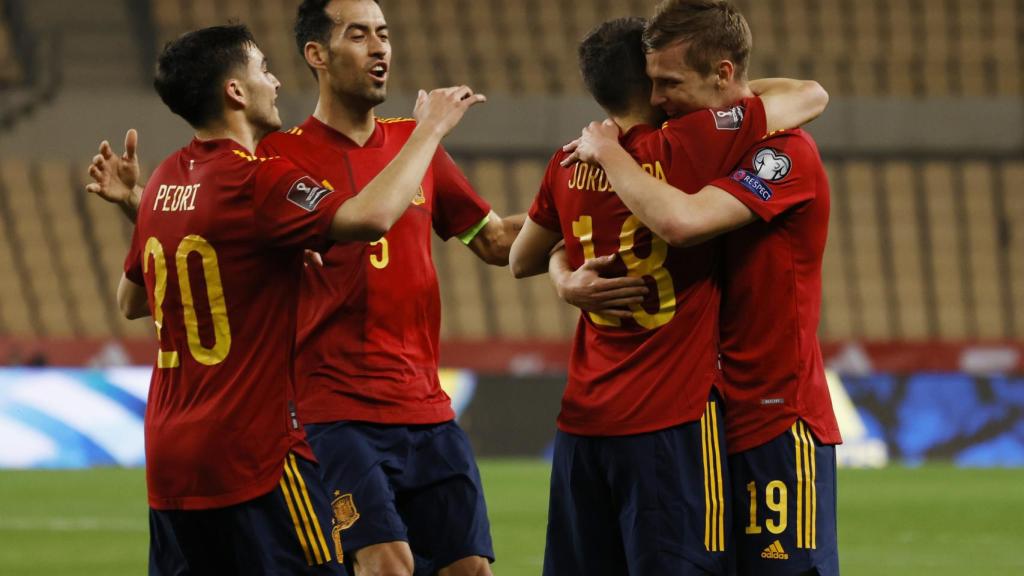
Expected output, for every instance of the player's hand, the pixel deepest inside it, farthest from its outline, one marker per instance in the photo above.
(587, 290)
(312, 258)
(115, 177)
(596, 137)
(442, 109)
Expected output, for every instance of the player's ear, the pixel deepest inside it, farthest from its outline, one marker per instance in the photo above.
(726, 71)
(235, 94)
(316, 55)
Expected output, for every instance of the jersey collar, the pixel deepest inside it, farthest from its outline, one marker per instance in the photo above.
(324, 132)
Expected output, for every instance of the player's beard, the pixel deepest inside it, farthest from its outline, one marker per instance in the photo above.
(266, 121)
(354, 86)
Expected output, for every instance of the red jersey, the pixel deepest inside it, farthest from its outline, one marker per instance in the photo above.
(370, 319)
(656, 369)
(771, 299)
(218, 245)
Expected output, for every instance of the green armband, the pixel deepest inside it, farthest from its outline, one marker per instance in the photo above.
(467, 236)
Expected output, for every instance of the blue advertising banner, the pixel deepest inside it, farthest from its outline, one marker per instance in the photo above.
(72, 418)
(965, 419)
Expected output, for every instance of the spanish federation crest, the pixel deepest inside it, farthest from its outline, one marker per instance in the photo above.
(418, 200)
(345, 515)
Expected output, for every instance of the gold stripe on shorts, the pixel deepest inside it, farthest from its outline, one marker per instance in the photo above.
(806, 491)
(303, 516)
(714, 502)
(314, 520)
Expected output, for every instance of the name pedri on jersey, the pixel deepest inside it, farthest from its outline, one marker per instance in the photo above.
(656, 369)
(370, 319)
(218, 245)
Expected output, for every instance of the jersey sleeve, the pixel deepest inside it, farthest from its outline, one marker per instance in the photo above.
(543, 211)
(457, 207)
(777, 175)
(707, 144)
(133, 261)
(292, 209)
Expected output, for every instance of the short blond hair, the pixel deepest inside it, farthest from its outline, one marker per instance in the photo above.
(715, 30)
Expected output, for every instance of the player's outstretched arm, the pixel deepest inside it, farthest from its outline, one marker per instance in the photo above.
(131, 298)
(494, 242)
(371, 213)
(115, 178)
(790, 103)
(678, 218)
(529, 252)
(587, 290)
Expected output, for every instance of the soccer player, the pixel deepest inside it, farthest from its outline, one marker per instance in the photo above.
(392, 456)
(639, 483)
(780, 427)
(216, 259)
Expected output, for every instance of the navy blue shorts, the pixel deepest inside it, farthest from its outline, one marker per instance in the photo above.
(647, 504)
(785, 494)
(417, 484)
(284, 532)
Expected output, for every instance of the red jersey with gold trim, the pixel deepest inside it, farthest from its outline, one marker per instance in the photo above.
(371, 316)
(656, 369)
(218, 245)
(771, 299)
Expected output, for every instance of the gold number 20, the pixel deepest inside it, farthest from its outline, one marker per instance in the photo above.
(214, 291)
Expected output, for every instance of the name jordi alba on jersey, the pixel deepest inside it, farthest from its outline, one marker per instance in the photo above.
(593, 178)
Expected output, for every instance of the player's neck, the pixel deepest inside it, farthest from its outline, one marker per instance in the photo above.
(232, 128)
(735, 92)
(355, 122)
(626, 122)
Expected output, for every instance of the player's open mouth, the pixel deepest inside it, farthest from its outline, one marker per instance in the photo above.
(379, 72)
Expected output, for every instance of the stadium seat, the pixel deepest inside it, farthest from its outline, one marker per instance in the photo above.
(982, 226)
(868, 260)
(910, 288)
(88, 308)
(836, 307)
(946, 250)
(1012, 178)
(33, 228)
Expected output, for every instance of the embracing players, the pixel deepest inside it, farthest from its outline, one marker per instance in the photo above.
(392, 456)
(639, 483)
(216, 259)
(781, 430)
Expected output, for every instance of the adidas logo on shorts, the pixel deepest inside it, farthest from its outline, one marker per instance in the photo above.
(774, 552)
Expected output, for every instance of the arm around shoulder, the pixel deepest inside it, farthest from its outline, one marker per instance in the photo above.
(790, 103)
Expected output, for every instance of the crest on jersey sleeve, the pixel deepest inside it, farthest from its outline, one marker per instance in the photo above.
(307, 194)
(728, 118)
(772, 165)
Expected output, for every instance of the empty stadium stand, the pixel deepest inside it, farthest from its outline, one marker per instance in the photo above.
(918, 250)
(924, 244)
(916, 48)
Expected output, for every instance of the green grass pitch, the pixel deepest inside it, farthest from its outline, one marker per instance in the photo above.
(934, 520)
